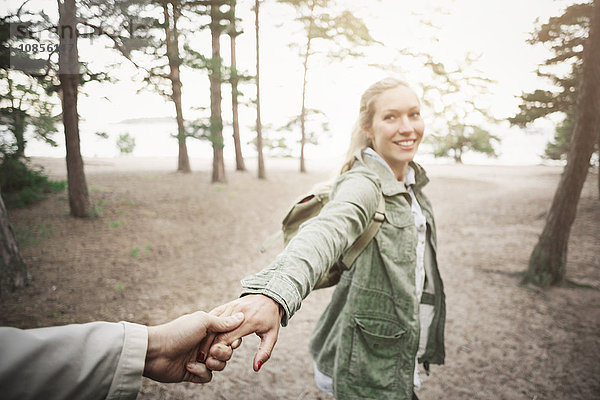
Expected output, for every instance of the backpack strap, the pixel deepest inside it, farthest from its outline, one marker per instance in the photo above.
(363, 240)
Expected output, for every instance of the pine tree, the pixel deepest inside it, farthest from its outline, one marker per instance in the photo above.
(68, 73)
(259, 138)
(234, 80)
(565, 34)
(547, 265)
(28, 98)
(454, 95)
(343, 34)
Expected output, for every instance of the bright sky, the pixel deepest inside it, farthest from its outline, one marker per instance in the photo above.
(496, 30)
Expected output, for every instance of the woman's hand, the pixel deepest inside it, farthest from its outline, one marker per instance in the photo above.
(262, 316)
(172, 347)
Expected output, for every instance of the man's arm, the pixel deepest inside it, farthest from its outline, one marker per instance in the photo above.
(103, 360)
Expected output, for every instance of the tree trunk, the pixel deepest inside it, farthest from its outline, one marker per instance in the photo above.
(259, 143)
(547, 265)
(13, 271)
(68, 73)
(303, 109)
(172, 41)
(458, 156)
(19, 120)
(239, 159)
(18, 116)
(216, 121)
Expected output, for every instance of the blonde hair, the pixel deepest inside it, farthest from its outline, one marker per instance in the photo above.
(359, 139)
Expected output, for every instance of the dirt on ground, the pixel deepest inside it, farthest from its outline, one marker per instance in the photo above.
(163, 244)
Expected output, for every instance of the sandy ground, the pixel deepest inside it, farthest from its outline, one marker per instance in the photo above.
(164, 244)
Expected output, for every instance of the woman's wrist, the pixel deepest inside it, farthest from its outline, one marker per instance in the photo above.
(280, 308)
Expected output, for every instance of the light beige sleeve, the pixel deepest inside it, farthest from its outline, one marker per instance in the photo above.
(90, 361)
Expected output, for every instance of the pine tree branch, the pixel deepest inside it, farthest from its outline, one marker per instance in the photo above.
(119, 46)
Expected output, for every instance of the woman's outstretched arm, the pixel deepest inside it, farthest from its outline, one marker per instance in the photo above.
(273, 295)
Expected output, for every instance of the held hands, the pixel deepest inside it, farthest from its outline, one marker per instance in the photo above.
(262, 316)
(173, 347)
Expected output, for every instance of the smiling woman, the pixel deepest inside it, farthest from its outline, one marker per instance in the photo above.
(387, 313)
(390, 123)
(397, 128)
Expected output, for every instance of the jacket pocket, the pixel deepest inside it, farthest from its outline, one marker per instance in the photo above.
(376, 352)
(397, 237)
(400, 219)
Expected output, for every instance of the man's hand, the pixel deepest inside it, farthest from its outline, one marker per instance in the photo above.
(262, 316)
(173, 347)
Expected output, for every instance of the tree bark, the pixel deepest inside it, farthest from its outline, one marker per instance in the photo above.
(13, 271)
(259, 143)
(19, 119)
(239, 159)
(18, 116)
(547, 265)
(172, 41)
(216, 121)
(68, 74)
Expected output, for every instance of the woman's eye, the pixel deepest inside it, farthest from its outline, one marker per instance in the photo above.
(389, 117)
(415, 114)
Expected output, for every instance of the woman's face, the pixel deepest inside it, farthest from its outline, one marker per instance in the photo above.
(397, 127)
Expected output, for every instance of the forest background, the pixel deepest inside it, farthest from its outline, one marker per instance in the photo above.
(496, 34)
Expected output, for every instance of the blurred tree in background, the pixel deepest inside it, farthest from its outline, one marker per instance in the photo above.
(259, 137)
(315, 125)
(456, 95)
(233, 32)
(218, 25)
(126, 143)
(462, 138)
(565, 34)
(222, 20)
(69, 76)
(336, 35)
(548, 261)
(27, 92)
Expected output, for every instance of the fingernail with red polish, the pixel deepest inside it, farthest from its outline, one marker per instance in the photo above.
(201, 357)
(258, 365)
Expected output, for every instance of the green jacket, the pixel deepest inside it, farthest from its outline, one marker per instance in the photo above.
(367, 337)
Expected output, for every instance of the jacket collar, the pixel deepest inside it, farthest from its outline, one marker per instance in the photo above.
(390, 186)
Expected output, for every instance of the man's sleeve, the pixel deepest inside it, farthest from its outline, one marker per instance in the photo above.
(99, 360)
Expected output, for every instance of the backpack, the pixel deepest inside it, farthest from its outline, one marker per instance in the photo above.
(310, 205)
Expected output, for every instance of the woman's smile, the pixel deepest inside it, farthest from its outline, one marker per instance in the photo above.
(406, 144)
